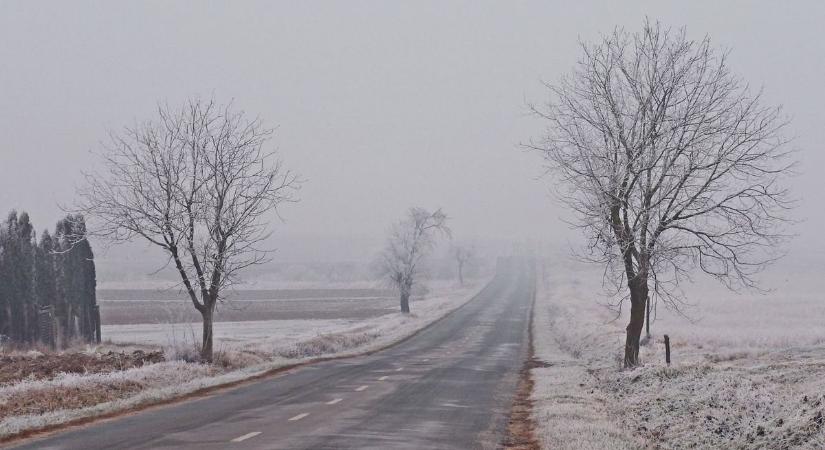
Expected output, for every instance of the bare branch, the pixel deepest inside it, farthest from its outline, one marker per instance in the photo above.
(669, 162)
(198, 183)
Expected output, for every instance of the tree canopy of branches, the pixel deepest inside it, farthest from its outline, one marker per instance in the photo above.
(670, 163)
(55, 277)
(197, 182)
(410, 240)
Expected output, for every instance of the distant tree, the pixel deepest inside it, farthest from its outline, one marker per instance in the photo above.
(77, 279)
(198, 183)
(44, 271)
(17, 273)
(6, 292)
(670, 163)
(58, 272)
(411, 240)
(18, 309)
(463, 256)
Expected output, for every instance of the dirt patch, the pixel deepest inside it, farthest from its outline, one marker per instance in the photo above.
(521, 426)
(41, 366)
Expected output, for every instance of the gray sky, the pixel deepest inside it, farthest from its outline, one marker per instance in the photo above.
(380, 105)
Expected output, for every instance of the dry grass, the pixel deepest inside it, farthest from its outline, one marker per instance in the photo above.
(748, 372)
(329, 344)
(47, 365)
(569, 412)
(57, 398)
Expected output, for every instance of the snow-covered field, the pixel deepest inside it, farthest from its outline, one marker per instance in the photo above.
(243, 350)
(748, 369)
(227, 334)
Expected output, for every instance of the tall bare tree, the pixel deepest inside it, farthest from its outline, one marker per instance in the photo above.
(670, 163)
(463, 255)
(409, 242)
(197, 182)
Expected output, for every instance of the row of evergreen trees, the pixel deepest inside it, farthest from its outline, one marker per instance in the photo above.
(47, 286)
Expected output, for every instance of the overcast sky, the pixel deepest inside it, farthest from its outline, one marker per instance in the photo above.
(379, 105)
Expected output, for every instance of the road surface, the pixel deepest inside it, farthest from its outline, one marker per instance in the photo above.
(449, 387)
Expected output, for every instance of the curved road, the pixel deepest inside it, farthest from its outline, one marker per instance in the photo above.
(448, 387)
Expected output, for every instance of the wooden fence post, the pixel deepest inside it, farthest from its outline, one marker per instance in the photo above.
(667, 349)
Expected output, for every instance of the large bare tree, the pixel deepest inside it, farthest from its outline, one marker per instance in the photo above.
(410, 240)
(197, 182)
(670, 164)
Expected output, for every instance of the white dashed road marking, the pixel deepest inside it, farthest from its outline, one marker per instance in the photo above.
(399, 369)
(332, 402)
(361, 388)
(298, 417)
(383, 378)
(246, 436)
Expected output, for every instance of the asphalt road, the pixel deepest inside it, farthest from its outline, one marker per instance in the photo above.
(449, 387)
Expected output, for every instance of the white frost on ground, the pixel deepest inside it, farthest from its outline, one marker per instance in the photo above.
(748, 370)
(225, 333)
(569, 412)
(255, 351)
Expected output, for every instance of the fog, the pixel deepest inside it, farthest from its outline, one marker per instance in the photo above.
(378, 105)
(421, 293)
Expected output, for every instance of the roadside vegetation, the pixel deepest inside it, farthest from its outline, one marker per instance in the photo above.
(738, 379)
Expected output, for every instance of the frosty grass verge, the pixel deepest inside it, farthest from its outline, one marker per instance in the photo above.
(740, 378)
(244, 359)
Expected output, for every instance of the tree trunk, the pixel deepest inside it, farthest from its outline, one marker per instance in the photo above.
(405, 301)
(647, 318)
(206, 343)
(638, 296)
(461, 274)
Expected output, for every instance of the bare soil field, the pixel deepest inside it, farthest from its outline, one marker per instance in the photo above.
(134, 306)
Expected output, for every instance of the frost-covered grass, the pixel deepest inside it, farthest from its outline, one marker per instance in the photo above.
(260, 348)
(236, 334)
(569, 412)
(748, 369)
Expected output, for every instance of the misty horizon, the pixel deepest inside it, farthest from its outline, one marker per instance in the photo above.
(373, 125)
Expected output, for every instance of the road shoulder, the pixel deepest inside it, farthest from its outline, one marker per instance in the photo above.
(567, 411)
(521, 424)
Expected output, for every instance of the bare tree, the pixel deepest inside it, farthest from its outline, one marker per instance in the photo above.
(409, 242)
(670, 164)
(463, 255)
(198, 183)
